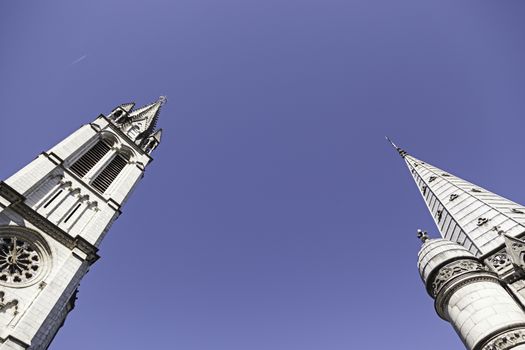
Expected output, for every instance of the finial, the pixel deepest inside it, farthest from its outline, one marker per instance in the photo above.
(163, 100)
(401, 151)
(422, 235)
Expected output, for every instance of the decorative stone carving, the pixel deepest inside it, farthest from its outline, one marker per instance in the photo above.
(432, 178)
(24, 257)
(45, 225)
(499, 260)
(507, 340)
(453, 196)
(4, 306)
(452, 270)
(516, 249)
(19, 260)
(422, 235)
(482, 221)
(498, 230)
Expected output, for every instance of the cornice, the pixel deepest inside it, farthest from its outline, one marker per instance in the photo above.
(504, 339)
(18, 205)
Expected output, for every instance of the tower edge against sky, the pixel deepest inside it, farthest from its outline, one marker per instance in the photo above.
(476, 271)
(55, 212)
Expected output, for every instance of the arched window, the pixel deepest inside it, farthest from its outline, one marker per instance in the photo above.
(117, 113)
(110, 172)
(89, 159)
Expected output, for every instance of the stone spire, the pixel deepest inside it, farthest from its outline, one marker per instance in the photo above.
(127, 107)
(140, 124)
(150, 143)
(463, 212)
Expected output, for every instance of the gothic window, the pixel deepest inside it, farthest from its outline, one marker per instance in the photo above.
(22, 259)
(110, 173)
(18, 260)
(72, 212)
(53, 198)
(89, 159)
(133, 132)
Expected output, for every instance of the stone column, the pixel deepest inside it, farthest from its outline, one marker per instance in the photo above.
(472, 299)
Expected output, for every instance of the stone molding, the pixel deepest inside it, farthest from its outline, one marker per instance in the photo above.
(18, 206)
(506, 340)
(451, 271)
(453, 276)
(450, 288)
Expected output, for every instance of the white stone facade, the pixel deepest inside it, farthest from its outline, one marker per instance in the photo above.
(476, 272)
(52, 219)
(468, 295)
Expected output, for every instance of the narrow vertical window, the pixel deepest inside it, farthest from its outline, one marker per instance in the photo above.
(110, 173)
(89, 159)
(53, 198)
(72, 213)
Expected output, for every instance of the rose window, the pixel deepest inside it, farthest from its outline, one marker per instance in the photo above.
(19, 260)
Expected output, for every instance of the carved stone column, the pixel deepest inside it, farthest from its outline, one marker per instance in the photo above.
(471, 298)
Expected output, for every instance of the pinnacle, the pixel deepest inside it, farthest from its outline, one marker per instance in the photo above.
(401, 151)
(422, 235)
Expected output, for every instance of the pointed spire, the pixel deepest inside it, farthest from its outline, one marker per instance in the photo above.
(121, 112)
(146, 117)
(157, 135)
(127, 107)
(139, 124)
(149, 144)
(399, 150)
(463, 212)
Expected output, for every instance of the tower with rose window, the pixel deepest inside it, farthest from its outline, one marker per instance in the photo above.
(55, 212)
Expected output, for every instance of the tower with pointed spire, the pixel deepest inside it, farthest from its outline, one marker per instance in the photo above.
(475, 271)
(54, 214)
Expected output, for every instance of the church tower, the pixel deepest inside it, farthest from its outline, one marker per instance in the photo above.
(476, 271)
(55, 212)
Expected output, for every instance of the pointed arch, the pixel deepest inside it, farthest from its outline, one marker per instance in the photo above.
(106, 177)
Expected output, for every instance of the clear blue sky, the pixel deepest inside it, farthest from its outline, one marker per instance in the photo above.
(275, 216)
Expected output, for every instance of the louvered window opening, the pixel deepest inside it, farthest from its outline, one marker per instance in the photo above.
(89, 159)
(110, 173)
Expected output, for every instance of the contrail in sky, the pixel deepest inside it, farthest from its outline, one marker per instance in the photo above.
(81, 58)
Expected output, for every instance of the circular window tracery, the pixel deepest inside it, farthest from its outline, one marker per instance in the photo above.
(24, 256)
(19, 261)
